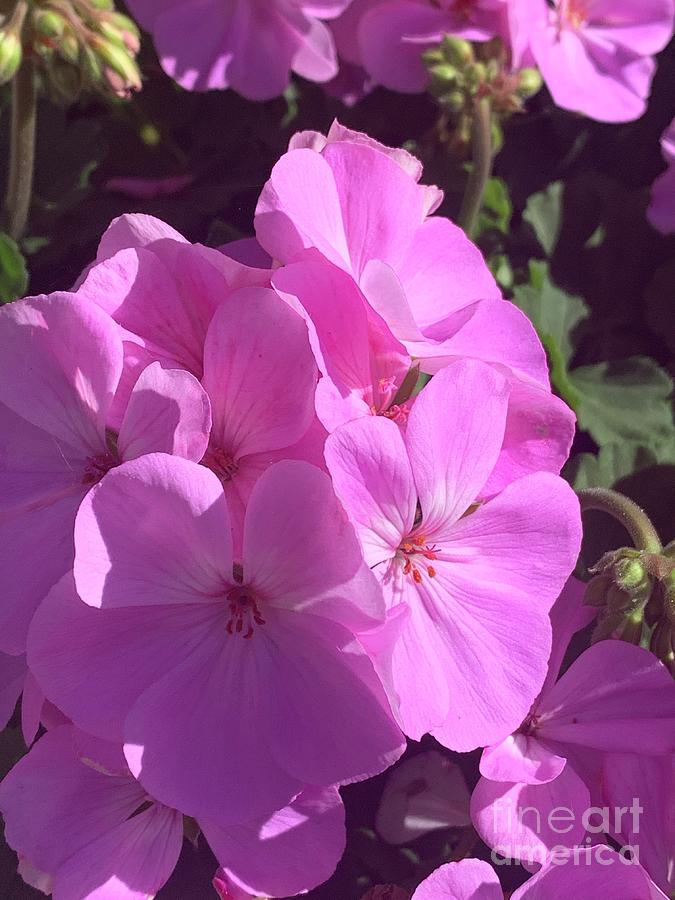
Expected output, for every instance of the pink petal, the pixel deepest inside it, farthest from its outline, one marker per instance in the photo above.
(423, 793)
(470, 879)
(95, 663)
(568, 615)
(643, 29)
(371, 474)
(301, 552)
(593, 872)
(292, 851)
(454, 435)
(614, 697)
(522, 758)
(116, 566)
(32, 703)
(526, 821)
(168, 412)
(443, 271)
(12, 676)
(134, 230)
(260, 374)
(42, 379)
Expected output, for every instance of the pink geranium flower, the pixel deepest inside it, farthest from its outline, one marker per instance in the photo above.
(595, 55)
(595, 873)
(217, 676)
(73, 809)
(249, 45)
(60, 367)
(614, 697)
(421, 274)
(476, 580)
(661, 212)
(388, 37)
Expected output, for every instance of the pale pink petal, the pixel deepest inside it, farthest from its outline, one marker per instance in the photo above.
(94, 663)
(61, 361)
(568, 615)
(592, 873)
(292, 851)
(470, 879)
(134, 230)
(443, 271)
(454, 435)
(190, 562)
(301, 551)
(523, 758)
(372, 476)
(409, 163)
(526, 821)
(614, 697)
(168, 412)
(259, 373)
(643, 28)
(315, 58)
(423, 793)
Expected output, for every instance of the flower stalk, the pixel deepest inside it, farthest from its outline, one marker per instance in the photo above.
(22, 150)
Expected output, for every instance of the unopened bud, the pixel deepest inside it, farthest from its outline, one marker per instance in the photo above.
(444, 73)
(129, 30)
(631, 575)
(475, 76)
(48, 24)
(69, 47)
(454, 100)
(120, 69)
(105, 5)
(457, 51)
(530, 82)
(662, 644)
(596, 591)
(10, 55)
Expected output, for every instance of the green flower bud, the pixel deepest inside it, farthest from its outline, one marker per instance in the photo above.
(457, 51)
(92, 69)
(454, 100)
(105, 5)
(444, 73)
(475, 75)
(10, 55)
(121, 71)
(530, 82)
(129, 30)
(596, 591)
(433, 57)
(48, 24)
(69, 47)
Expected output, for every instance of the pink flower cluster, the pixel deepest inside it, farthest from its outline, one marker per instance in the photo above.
(596, 56)
(244, 552)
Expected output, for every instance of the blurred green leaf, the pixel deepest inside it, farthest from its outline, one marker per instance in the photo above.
(555, 314)
(627, 399)
(544, 213)
(13, 272)
(616, 461)
(497, 208)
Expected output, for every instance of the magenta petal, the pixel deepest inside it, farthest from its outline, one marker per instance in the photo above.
(592, 873)
(526, 821)
(454, 436)
(259, 373)
(12, 676)
(94, 663)
(168, 412)
(290, 852)
(189, 562)
(523, 758)
(64, 393)
(134, 230)
(32, 703)
(302, 553)
(568, 615)
(470, 879)
(614, 697)
(372, 476)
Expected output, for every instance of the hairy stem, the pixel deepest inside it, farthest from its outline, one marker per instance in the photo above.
(22, 150)
(629, 514)
(481, 144)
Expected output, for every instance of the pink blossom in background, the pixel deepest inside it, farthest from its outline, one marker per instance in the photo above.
(595, 874)
(83, 820)
(652, 780)
(615, 697)
(422, 794)
(251, 46)
(59, 370)
(596, 56)
(148, 188)
(215, 674)
(387, 37)
(661, 212)
(424, 278)
(476, 580)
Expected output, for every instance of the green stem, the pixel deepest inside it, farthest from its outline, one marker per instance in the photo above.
(481, 144)
(22, 150)
(629, 514)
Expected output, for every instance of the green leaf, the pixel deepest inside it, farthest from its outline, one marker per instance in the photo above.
(617, 461)
(13, 273)
(555, 314)
(624, 400)
(544, 213)
(497, 207)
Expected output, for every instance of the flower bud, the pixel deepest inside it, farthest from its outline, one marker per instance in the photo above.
(121, 71)
(129, 31)
(48, 24)
(457, 51)
(662, 644)
(69, 46)
(530, 82)
(10, 55)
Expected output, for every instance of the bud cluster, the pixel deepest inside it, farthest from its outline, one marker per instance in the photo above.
(635, 591)
(461, 73)
(77, 45)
